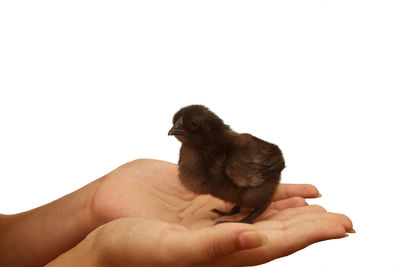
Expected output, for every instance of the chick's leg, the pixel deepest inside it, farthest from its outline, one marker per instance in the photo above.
(234, 210)
(253, 215)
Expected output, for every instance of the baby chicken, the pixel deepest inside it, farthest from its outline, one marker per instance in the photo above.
(237, 168)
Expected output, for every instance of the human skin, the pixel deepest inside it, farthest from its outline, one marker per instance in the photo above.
(144, 201)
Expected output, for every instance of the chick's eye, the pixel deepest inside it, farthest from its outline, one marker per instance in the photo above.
(194, 124)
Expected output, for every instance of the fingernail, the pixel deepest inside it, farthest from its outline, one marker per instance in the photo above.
(352, 231)
(251, 239)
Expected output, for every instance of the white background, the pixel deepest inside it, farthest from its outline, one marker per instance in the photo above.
(89, 85)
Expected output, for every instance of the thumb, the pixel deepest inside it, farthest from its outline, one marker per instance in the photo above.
(210, 244)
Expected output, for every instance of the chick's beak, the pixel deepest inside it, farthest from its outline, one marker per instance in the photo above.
(177, 128)
(175, 131)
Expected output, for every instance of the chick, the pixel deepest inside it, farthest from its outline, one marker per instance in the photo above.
(237, 168)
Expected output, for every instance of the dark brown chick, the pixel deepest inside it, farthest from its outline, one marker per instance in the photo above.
(238, 168)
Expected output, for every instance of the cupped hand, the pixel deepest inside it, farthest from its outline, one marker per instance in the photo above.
(154, 221)
(151, 189)
(148, 242)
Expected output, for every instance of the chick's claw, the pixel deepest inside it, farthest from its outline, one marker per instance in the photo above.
(234, 210)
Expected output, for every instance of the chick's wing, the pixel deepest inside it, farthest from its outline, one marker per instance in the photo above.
(253, 161)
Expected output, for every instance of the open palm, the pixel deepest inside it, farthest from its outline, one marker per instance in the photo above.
(151, 189)
(147, 193)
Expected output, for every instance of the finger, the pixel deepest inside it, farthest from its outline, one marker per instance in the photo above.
(312, 216)
(288, 203)
(292, 216)
(221, 240)
(282, 219)
(292, 212)
(291, 190)
(286, 218)
(285, 242)
(303, 234)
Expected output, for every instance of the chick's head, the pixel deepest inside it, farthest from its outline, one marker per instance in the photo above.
(196, 123)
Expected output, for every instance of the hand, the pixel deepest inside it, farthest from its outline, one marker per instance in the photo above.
(149, 242)
(172, 225)
(151, 189)
(149, 192)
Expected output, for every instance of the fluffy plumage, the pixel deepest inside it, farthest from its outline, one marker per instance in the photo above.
(238, 168)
